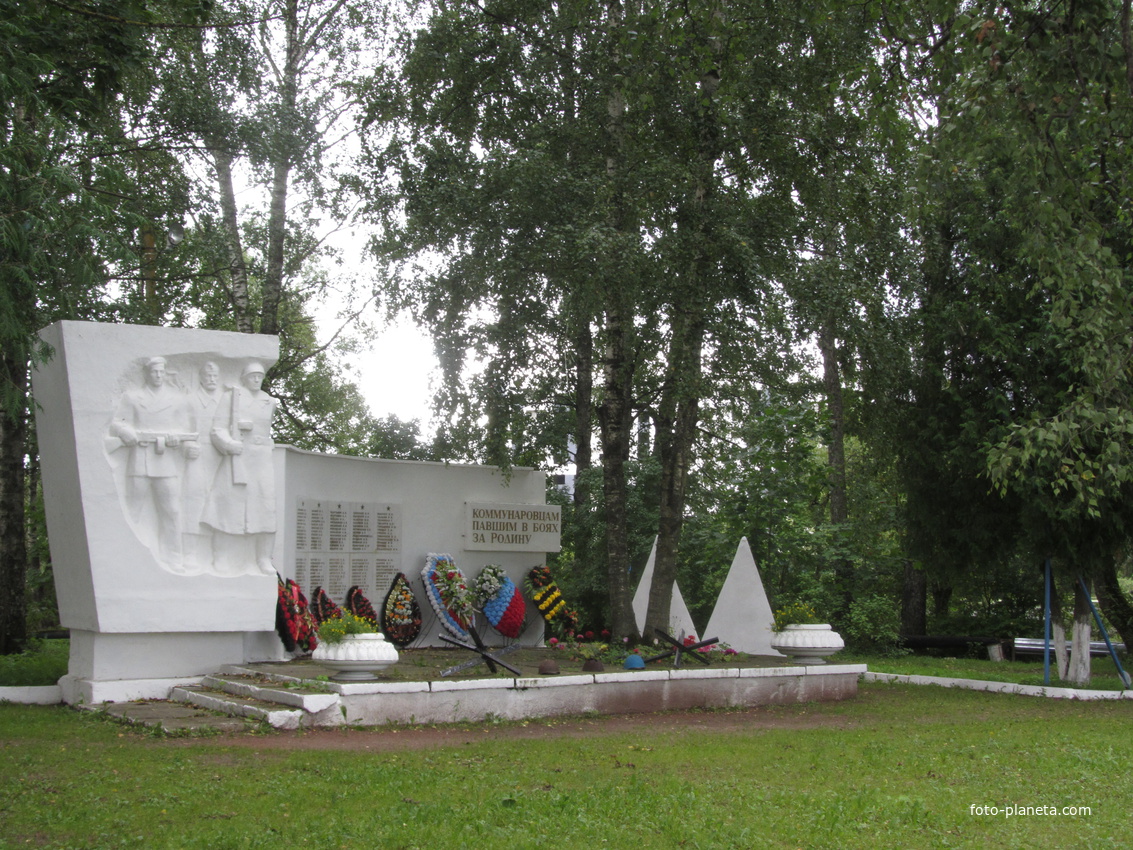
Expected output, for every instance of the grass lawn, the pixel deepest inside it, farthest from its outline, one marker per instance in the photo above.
(900, 766)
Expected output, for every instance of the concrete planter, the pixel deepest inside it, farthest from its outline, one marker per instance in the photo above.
(808, 643)
(356, 658)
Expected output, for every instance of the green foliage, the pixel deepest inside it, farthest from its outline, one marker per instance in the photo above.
(42, 663)
(1042, 142)
(392, 438)
(321, 408)
(762, 477)
(796, 614)
(80, 199)
(1012, 423)
(263, 102)
(873, 625)
(1017, 613)
(336, 628)
(581, 569)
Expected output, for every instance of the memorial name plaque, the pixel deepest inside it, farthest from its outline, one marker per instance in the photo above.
(512, 528)
(342, 544)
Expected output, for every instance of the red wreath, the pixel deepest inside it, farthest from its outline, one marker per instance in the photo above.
(323, 607)
(358, 605)
(293, 621)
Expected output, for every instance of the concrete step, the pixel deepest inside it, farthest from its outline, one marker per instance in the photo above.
(239, 706)
(244, 686)
(173, 716)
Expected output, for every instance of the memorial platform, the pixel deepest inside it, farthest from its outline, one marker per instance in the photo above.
(275, 694)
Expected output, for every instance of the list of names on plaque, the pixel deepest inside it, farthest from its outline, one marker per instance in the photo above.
(339, 529)
(342, 544)
(387, 533)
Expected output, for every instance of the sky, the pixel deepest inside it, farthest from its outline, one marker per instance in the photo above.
(396, 375)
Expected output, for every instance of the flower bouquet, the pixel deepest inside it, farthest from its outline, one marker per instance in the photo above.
(336, 628)
(797, 613)
(500, 600)
(448, 593)
(401, 615)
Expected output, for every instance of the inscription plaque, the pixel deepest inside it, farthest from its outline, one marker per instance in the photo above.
(342, 544)
(492, 527)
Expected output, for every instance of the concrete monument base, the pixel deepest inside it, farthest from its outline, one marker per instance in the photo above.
(112, 667)
(476, 700)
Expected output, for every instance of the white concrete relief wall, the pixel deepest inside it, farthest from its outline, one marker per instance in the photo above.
(190, 448)
(127, 420)
(169, 509)
(360, 521)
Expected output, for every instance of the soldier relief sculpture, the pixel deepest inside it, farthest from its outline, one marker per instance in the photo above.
(191, 449)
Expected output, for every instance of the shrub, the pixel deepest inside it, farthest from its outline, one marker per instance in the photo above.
(42, 663)
(874, 625)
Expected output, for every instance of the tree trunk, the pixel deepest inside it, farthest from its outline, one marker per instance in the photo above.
(679, 410)
(1079, 672)
(583, 408)
(1113, 602)
(17, 331)
(676, 433)
(616, 421)
(836, 460)
(13, 545)
(1058, 633)
(238, 270)
(941, 600)
(914, 601)
(282, 155)
(277, 233)
(615, 413)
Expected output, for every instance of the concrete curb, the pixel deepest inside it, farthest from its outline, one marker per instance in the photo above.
(42, 695)
(999, 687)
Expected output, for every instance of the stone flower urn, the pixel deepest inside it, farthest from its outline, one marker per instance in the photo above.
(356, 658)
(807, 643)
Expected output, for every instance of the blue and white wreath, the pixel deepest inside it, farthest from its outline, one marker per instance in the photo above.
(449, 594)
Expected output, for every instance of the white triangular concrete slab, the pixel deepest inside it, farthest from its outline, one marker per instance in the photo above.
(742, 617)
(641, 595)
(680, 620)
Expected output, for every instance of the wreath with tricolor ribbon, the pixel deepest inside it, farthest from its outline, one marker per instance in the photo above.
(501, 601)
